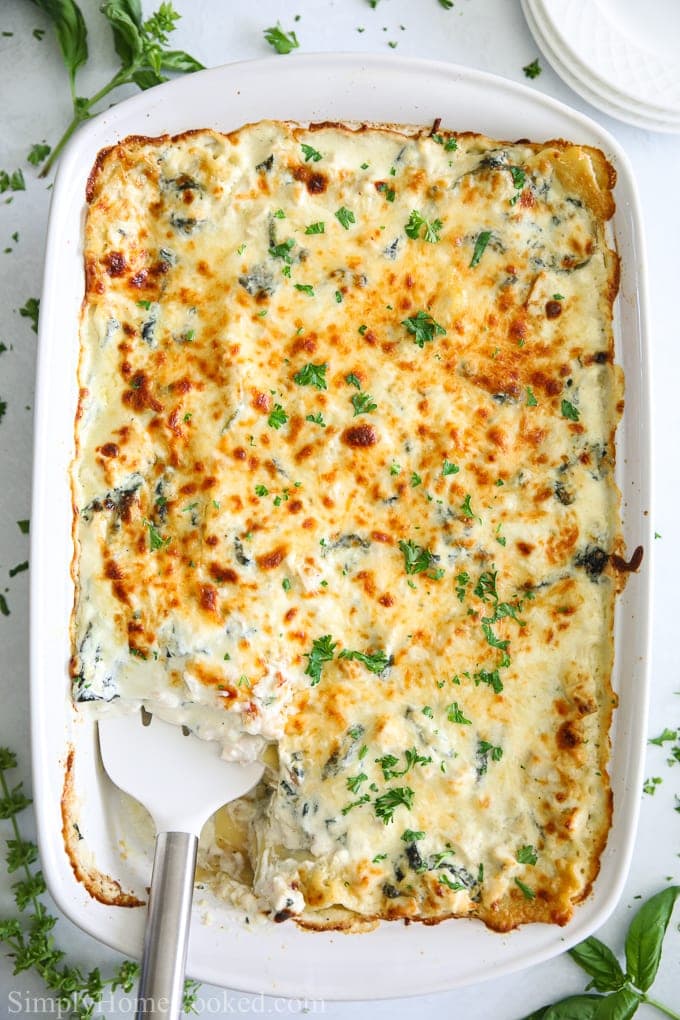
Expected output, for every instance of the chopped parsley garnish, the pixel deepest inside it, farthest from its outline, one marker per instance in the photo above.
(322, 652)
(312, 375)
(395, 469)
(12, 182)
(446, 4)
(354, 782)
(316, 228)
(423, 328)
(449, 469)
(363, 403)
(417, 559)
(485, 750)
(352, 380)
(428, 712)
(378, 858)
(389, 193)
(279, 214)
(282, 41)
(527, 854)
(455, 714)
(362, 329)
(490, 677)
(483, 239)
(531, 399)
(462, 579)
(449, 144)
(533, 69)
(277, 417)
(283, 250)
(418, 226)
(305, 288)
(466, 509)
(286, 584)
(650, 785)
(558, 297)
(356, 803)
(156, 540)
(386, 804)
(416, 480)
(338, 296)
(19, 569)
(310, 153)
(317, 419)
(409, 836)
(38, 153)
(528, 893)
(666, 735)
(24, 527)
(569, 411)
(31, 310)
(376, 662)
(146, 305)
(518, 179)
(345, 217)
(455, 886)
(491, 637)
(261, 490)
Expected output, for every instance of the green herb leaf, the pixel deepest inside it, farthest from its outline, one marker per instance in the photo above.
(417, 558)
(531, 399)
(363, 403)
(23, 527)
(527, 855)
(71, 32)
(317, 419)
(528, 893)
(375, 662)
(352, 380)
(316, 228)
(576, 1007)
(387, 803)
(449, 469)
(666, 735)
(38, 153)
(312, 375)
(156, 540)
(418, 227)
(322, 652)
(483, 239)
(644, 940)
(305, 288)
(282, 251)
(533, 69)
(277, 417)
(569, 411)
(446, 4)
(283, 42)
(622, 1005)
(423, 328)
(455, 715)
(31, 310)
(597, 960)
(310, 153)
(345, 217)
(409, 836)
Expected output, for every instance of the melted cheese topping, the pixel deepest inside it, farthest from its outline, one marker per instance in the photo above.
(344, 485)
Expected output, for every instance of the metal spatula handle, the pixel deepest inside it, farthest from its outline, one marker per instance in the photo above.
(167, 926)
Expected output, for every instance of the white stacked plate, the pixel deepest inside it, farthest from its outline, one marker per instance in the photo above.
(620, 55)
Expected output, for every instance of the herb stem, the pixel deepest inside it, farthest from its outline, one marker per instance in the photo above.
(660, 1006)
(81, 112)
(37, 905)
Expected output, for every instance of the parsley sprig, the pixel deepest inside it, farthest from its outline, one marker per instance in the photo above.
(418, 560)
(423, 328)
(322, 652)
(28, 939)
(142, 47)
(419, 227)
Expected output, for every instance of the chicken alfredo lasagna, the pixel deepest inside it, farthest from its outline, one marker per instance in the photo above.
(344, 498)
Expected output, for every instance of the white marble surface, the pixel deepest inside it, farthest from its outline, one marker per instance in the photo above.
(488, 34)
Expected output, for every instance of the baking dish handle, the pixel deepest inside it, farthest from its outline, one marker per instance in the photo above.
(161, 983)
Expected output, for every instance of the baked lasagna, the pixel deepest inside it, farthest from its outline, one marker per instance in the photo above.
(344, 499)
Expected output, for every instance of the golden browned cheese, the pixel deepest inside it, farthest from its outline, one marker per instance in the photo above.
(344, 495)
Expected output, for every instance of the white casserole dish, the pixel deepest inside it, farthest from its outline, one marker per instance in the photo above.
(394, 960)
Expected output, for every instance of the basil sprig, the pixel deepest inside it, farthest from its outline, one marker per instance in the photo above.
(621, 993)
(142, 47)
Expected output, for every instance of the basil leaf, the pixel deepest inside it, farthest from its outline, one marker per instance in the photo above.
(178, 60)
(620, 1006)
(576, 1007)
(70, 29)
(644, 940)
(125, 18)
(146, 78)
(598, 960)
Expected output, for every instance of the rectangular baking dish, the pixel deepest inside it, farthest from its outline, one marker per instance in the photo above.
(395, 960)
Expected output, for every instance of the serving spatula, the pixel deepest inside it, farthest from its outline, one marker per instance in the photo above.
(181, 781)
